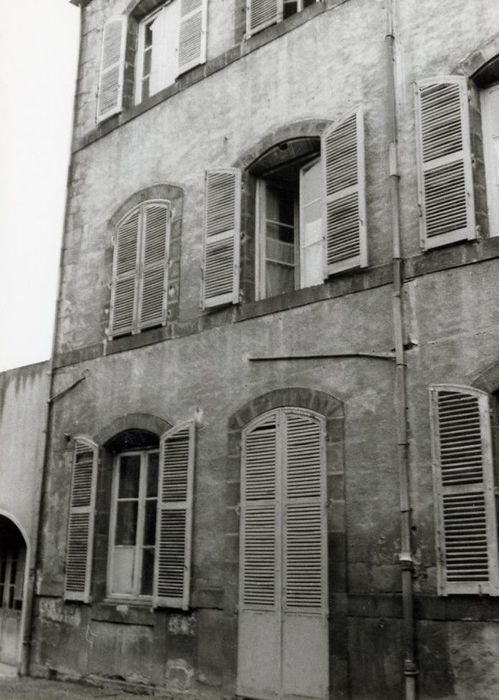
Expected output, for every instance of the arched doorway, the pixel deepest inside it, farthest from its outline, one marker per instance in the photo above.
(12, 568)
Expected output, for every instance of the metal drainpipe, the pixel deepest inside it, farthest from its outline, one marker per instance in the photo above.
(27, 620)
(406, 559)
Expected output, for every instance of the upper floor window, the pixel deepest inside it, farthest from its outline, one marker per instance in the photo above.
(305, 199)
(171, 40)
(140, 268)
(262, 13)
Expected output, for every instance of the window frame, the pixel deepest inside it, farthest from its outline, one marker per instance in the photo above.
(138, 546)
(489, 165)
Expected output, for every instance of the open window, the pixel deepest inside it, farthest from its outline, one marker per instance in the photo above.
(289, 227)
(263, 13)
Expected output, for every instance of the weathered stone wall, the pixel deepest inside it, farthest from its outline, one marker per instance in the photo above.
(320, 70)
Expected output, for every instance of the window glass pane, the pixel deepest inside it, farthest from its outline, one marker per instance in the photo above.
(148, 34)
(147, 62)
(145, 88)
(307, 3)
(1, 595)
(147, 571)
(129, 476)
(279, 279)
(289, 8)
(152, 475)
(123, 561)
(126, 522)
(280, 205)
(10, 604)
(13, 569)
(150, 523)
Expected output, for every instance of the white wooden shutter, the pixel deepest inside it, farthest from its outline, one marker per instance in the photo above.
(344, 219)
(305, 529)
(125, 275)
(444, 161)
(155, 227)
(172, 568)
(262, 13)
(81, 521)
(192, 34)
(490, 122)
(311, 229)
(466, 529)
(221, 237)
(259, 516)
(112, 68)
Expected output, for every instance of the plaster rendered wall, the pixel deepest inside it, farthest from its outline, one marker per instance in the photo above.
(23, 397)
(451, 334)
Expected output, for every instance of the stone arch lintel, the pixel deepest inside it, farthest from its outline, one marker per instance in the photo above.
(131, 421)
(172, 193)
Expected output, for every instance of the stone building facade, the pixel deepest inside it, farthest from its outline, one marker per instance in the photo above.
(265, 372)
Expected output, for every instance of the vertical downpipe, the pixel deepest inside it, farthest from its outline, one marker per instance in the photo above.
(400, 399)
(28, 601)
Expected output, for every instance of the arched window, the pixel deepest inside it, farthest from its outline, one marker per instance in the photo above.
(138, 296)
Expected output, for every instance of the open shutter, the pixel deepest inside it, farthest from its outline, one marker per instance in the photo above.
(112, 68)
(192, 34)
(444, 161)
(262, 13)
(466, 526)
(344, 219)
(172, 571)
(124, 294)
(81, 521)
(221, 237)
(156, 223)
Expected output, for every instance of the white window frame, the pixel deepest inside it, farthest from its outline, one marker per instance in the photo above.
(490, 165)
(139, 64)
(138, 554)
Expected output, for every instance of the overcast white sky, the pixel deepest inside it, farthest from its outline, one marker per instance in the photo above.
(38, 55)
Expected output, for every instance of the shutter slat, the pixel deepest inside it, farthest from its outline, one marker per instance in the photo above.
(221, 238)
(344, 190)
(112, 68)
(444, 161)
(464, 491)
(81, 521)
(174, 524)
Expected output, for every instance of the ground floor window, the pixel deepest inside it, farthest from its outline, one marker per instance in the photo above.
(133, 524)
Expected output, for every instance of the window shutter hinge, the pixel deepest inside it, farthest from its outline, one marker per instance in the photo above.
(238, 509)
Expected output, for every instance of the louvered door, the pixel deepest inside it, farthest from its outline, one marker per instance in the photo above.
(466, 526)
(81, 521)
(344, 217)
(283, 632)
(444, 161)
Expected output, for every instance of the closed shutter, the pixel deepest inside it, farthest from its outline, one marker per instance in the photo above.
(305, 517)
(344, 220)
(262, 13)
(112, 68)
(81, 521)
(221, 237)
(172, 570)
(466, 525)
(192, 34)
(156, 220)
(125, 277)
(444, 161)
(259, 516)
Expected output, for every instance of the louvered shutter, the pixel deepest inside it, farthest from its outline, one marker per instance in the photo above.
(344, 220)
(305, 515)
(444, 161)
(81, 521)
(262, 13)
(172, 570)
(125, 275)
(464, 491)
(112, 68)
(155, 226)
(259, 515)
(221, 237)
(192, 34)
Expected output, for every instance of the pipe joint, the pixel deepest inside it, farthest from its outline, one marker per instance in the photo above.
(410, 668)
(406, 561)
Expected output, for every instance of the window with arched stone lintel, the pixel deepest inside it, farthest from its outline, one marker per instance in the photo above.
(299, 400)
(146, 235)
